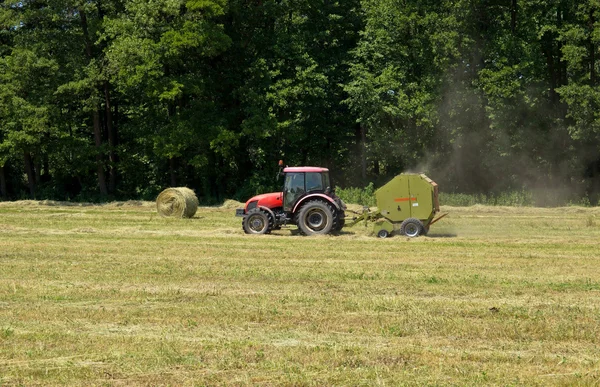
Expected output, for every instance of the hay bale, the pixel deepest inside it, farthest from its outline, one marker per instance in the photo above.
(180, 202)
(231, 204)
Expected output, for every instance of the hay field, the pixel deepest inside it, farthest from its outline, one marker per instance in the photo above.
(115, 295)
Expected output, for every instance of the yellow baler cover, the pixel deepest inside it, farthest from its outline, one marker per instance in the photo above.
(408, 195)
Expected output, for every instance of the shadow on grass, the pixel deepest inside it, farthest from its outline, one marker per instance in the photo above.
(286, 231)
(442, 235)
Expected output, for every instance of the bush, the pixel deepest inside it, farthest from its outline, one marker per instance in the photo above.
(366, 197)
(511, 198)
(363, 196)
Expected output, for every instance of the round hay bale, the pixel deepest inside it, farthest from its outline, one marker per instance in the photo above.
(231, 204)
(180, 202)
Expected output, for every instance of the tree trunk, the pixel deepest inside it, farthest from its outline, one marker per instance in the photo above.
(172, 172)
(99, 163)
(96, 113)
(553, 72)
(38, 172)
(86, 36)
(46, 169)
(562, 65)
(112, 140)
(513, 17)
(304, 153)
(363, 154)
(592, 49)
(30, 173)
(3, 186)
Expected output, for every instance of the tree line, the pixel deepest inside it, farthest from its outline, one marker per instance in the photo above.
(118, 99)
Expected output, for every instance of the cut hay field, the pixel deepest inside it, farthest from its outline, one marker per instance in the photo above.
(114, 295)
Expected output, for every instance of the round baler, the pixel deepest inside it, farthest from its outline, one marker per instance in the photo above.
(408, 203)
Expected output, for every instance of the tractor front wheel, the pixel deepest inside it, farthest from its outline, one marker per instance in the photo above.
(257, 222)
(411, 227)
(315, 218)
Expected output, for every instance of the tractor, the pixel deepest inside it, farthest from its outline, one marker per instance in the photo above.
(307, 200)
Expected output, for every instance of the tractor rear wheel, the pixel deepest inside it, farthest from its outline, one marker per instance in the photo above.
(339, 220)
(257, 222)
(411, 227)
(315, 217)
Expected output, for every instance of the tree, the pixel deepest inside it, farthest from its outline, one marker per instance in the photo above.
(580, 38)
(159, 53)
(25, 105)
(396, 75)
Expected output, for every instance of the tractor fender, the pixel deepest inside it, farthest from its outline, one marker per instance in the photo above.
(313, 196)
(267, 209)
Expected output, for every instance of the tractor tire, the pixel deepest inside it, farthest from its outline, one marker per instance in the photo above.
(338, 221)
(315, 218)
(411, 227)
(257, 222)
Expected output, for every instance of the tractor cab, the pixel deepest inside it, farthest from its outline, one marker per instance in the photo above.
(301, 181)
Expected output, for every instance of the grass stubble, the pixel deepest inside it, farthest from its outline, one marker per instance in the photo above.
(116, 295)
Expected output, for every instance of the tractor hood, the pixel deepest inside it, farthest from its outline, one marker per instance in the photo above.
(270, 200)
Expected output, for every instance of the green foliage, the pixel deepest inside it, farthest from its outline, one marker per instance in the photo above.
(120, 98)
(363, 196)
(512, 198)
(396, 75)
(366, 197)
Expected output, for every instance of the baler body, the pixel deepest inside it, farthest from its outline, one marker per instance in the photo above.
(407, 203)
(408, 196)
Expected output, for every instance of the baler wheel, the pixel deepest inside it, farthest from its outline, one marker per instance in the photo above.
(257, 222)
(383, 234)
(411, 227)
(315, 217)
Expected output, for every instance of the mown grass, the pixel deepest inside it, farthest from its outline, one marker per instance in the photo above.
(115, 295)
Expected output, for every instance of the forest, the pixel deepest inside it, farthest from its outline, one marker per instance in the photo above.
(118, 99)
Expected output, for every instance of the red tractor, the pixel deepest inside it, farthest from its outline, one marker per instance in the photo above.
(307, 201)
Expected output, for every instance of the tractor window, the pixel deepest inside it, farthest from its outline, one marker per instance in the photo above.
(326, 183)
(293, 188)
(314, 182)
